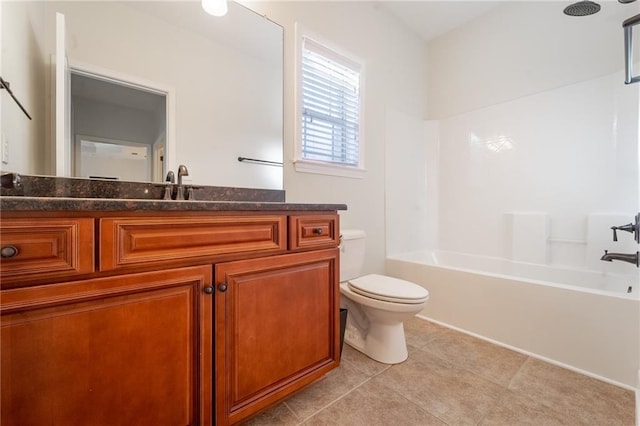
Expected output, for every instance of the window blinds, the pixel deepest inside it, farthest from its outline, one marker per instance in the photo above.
(330, 106)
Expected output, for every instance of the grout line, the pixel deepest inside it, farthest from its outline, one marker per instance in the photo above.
(299, 422)
(530, 354)
(494, 406)
(461, 366)
(435, 416)
(353, 365)
(517, 372)
(535, 400)
(335, 400)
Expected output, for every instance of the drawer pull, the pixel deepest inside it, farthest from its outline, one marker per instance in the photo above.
(222, 287)
(208, 289)
(317, 231)
(7, 252)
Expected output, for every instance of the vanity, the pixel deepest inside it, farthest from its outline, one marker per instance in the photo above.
(142, 311)
(117, 307)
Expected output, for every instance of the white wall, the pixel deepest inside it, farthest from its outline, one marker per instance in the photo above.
(22, 65)
(395, 69)
(406, 182)
(103, 120)
(522, 48)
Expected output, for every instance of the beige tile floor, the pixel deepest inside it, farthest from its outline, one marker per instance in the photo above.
(452, 379)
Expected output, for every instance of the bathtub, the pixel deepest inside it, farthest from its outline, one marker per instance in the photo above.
(587, 321)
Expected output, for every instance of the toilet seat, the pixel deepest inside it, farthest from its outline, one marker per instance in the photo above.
(388, 289)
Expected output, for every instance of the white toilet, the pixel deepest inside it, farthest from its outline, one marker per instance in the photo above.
(377, 305)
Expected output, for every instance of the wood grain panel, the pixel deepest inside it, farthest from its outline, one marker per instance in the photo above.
(135, 241)
(120, 350)
(313, 231)
(47, 247)
(277, 328)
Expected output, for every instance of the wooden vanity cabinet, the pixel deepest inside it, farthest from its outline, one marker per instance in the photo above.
(164, 319)
(122, 350)
(277, 322)
(55, 248)
(145, 241)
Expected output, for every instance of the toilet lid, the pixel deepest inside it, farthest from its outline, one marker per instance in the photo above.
(388, 289)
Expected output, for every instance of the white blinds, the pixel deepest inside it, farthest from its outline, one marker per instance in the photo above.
(330, 106)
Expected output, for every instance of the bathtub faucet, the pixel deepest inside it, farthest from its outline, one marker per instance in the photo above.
(631, 258)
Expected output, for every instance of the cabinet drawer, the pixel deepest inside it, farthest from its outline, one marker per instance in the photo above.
(43, 248)
(137, 241)
(313, 231)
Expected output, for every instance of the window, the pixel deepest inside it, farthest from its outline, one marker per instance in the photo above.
(329, 112)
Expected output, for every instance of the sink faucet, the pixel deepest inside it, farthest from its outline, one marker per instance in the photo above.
(168, 189)
(182, 171)
(631, 258)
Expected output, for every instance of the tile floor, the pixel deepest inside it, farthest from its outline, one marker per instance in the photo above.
(451, 378)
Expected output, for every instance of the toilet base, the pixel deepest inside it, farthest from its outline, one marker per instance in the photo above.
(384, 343)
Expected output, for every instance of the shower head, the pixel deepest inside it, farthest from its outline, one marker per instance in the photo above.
(582, 8)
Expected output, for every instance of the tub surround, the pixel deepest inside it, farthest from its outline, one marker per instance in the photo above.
(148, 295)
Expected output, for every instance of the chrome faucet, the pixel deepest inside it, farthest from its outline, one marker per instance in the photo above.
(631, 258)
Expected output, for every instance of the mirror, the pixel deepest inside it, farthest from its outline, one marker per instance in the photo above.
(222, 77)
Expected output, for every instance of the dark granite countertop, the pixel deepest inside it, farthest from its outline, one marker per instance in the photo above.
(50, 193)
(21, 203)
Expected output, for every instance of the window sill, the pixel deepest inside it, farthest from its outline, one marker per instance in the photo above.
(306, 166)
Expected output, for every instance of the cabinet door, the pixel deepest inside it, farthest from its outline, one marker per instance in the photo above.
(133, 349)
(277, 329)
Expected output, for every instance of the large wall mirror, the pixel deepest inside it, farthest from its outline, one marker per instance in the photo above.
(147, 86)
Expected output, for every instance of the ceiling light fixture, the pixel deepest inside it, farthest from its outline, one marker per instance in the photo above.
(215, 7)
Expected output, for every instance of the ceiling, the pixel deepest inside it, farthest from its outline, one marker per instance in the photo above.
(430, 18)
(110, 92)
(427, 18)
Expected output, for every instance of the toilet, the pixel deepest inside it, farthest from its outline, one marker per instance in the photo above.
(377, 305)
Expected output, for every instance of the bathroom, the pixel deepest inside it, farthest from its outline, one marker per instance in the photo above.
(510, 64)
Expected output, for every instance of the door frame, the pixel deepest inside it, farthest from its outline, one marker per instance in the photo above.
(117, 77)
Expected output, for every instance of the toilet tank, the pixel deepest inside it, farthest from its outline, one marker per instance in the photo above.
(351, 253)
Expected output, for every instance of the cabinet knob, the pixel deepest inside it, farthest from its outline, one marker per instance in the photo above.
(7, 252)
(222, 287)
(317, 231)
(208, 289)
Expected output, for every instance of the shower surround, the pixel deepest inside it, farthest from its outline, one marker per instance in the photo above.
(543, 178)
(539, 181)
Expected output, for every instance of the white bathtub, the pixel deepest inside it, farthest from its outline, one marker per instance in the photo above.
(585, 320)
